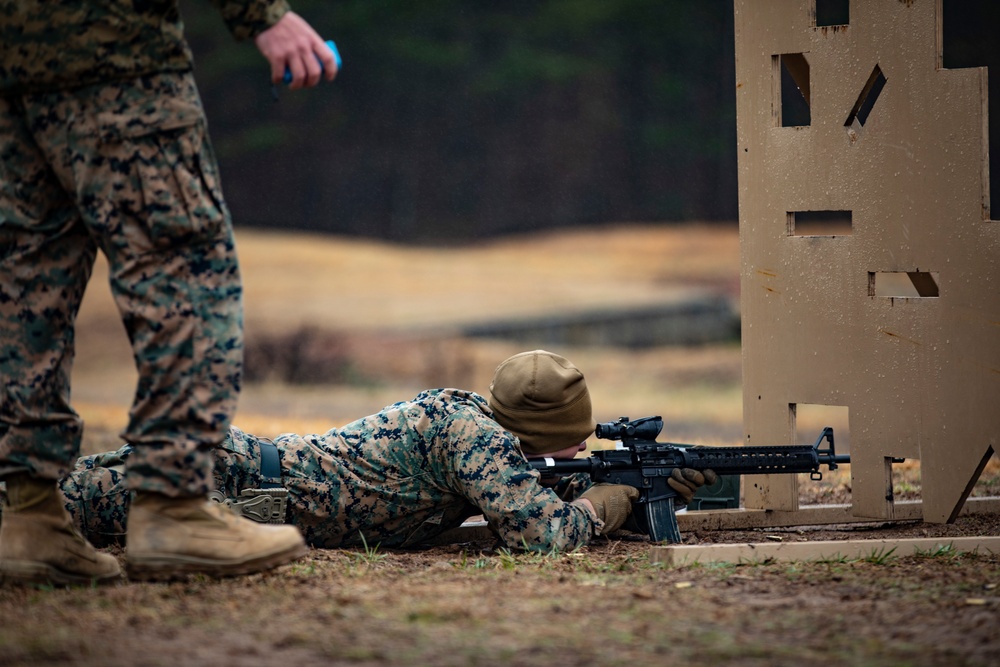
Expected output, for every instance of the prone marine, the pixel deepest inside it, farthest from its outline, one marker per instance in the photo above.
(410, 472)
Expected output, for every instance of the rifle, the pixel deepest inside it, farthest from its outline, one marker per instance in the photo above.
(645, 464)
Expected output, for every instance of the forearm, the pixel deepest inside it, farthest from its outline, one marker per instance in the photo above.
(524, 513)
(555, 526)
(484, 465)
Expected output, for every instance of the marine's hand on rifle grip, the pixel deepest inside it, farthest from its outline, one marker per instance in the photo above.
(612, 503)
(687, 481)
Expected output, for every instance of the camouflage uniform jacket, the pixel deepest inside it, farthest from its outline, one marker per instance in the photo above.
(396, 478)
(418, 468)
(48, 45)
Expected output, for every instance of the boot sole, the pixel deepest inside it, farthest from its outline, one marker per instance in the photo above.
(30, 572)
(167, 567)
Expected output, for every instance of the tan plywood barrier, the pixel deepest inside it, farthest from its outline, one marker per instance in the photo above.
(895, 313)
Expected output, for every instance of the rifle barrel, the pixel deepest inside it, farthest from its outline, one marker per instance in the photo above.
(563, 466)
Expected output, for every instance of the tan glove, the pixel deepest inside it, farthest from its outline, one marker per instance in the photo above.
(612, 502)
(687, 481)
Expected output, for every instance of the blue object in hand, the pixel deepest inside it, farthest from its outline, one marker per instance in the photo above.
(336, 56)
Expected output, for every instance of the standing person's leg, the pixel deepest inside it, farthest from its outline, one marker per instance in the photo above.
(146, 182)
(97, 497)
(46, 257)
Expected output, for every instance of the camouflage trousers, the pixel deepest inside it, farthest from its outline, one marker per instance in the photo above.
(125, 168)
(97, 497)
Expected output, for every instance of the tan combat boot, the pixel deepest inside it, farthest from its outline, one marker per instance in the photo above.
(38, 542)
(172, 537)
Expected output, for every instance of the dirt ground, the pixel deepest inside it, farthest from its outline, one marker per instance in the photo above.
(468, 602)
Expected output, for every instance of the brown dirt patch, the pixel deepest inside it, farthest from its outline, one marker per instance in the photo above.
(469, 603)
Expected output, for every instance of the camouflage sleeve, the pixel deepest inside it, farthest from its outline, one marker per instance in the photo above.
(248, 18)
(47, 45)
(490, 471)
(572, 486)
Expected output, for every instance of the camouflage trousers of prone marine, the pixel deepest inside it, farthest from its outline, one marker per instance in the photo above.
(125, 168)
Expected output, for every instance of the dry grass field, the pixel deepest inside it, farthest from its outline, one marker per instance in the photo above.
(385, 311)
(390, 310)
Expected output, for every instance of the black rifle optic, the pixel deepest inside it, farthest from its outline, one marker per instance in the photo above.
(645, 464)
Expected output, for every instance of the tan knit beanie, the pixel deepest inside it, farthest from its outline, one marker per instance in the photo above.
(542, 399)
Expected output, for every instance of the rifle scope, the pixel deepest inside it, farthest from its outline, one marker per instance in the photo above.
(646, 428)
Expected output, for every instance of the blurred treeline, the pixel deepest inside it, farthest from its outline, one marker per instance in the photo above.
(454, 119)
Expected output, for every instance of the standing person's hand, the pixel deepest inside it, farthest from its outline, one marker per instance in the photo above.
(292, 43)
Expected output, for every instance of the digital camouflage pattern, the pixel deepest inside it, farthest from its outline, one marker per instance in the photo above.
(46, 45)
(125, 167)
(396, 478)
(418, 468)
(103, 145)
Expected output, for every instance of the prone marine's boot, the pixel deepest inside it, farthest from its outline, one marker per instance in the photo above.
(40, 544)
(171, 537)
